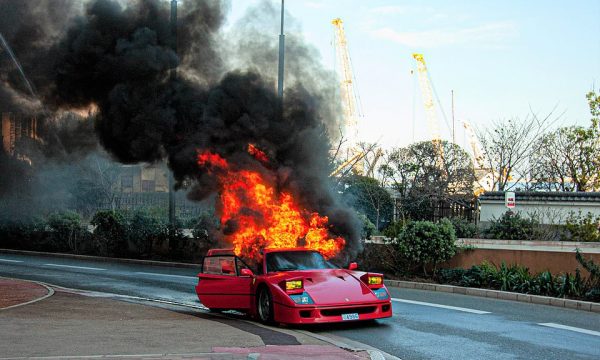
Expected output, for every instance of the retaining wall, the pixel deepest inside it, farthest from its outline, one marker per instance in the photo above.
(554, 256)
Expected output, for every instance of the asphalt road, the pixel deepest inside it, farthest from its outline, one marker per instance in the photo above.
(425, 325)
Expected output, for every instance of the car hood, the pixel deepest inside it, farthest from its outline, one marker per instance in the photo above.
(334, 286)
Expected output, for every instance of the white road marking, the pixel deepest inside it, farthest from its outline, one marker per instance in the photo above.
(75, 267)
(472, 311)
(168, 275)
(571, 328)
(12, 261)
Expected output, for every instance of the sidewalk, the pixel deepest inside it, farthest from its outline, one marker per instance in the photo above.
(67, 325)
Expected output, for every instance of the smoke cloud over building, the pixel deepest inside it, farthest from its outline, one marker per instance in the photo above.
(103, 72)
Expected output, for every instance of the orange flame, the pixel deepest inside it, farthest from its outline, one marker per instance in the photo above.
(258, 154)
(256, 216)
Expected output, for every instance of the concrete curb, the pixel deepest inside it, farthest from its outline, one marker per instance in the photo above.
(496, 294)
(50, 293)
(103, 259)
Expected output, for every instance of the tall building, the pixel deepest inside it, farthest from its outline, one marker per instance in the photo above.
(14, 127)
(143, 178)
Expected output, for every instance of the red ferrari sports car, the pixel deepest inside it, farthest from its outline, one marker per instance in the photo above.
(292, 286)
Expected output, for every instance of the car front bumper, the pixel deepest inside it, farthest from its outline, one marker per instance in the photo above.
(331, 314)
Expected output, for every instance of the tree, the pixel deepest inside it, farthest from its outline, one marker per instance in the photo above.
(508, 147)
(96, 183)
(370, 199)
(425, 243)
(415, 173)
(568, 159)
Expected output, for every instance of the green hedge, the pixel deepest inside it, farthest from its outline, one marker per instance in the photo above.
(142, 234)
(517, 278)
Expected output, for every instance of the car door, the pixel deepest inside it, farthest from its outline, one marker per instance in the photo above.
(221, 284)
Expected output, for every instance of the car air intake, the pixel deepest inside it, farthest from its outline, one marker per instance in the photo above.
(305, 313)
(348, 310)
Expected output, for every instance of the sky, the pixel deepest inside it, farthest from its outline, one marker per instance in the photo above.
(502, 59)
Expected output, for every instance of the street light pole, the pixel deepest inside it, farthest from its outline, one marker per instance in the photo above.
(281, 56)
(173, 76)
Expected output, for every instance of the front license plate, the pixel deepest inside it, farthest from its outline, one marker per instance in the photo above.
(353, 316)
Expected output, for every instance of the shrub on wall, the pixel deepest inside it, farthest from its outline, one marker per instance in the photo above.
(424, 243)
(463, 227)
(582, 228)
(511, 226)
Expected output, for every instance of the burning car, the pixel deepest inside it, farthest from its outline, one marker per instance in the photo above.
(292, 286)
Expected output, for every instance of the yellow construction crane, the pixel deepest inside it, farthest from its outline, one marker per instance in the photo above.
(484, 177)
(353, 160)
(432, 122)
(371, 168)
(349, 104)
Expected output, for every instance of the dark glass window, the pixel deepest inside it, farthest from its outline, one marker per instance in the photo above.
(297, 260)
(148, 185)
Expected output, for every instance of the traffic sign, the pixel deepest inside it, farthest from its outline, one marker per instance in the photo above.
(510, 199)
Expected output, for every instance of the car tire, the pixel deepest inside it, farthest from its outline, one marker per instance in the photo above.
(264, 306)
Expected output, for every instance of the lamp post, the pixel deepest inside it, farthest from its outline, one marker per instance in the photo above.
(281, 56)
(173, 76)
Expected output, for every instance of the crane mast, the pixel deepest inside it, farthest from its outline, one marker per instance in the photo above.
(427, 94)
(350, 130)
(484, 177)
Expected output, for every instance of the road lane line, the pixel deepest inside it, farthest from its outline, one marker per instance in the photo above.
(11, 261)
(75, 267)
(168, 275)
(571, 328)
(472, 311)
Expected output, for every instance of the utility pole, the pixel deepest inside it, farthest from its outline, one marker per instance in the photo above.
(281, 56)
(173, 77)
(453, 133)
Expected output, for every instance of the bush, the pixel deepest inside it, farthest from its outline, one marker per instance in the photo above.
(25, 234)
(381, 258)
(425, 243)
(593, 281)
(463, 227)
(511, 226)
(582, 228)
(66, 231)
(515, 278)
(394, 229)
(368, 228)
(143, 230)
(110, 233)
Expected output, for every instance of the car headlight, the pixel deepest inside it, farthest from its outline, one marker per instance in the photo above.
(381, 293)
(375, 280)
(293, 285)
(302, 299)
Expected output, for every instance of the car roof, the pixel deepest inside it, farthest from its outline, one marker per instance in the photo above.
(272, 250)
(212, 252)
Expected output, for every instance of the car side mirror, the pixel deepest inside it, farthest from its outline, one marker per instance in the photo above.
(353, 266)
(246, 272)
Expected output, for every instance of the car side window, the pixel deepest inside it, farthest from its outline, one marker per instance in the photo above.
(219, 265)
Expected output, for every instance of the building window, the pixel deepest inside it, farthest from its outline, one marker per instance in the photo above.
(127, 182)
(148, 185)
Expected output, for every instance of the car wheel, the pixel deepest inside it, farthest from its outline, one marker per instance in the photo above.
(264, 306)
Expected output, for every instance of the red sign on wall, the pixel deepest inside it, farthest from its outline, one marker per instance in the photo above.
(510, 199)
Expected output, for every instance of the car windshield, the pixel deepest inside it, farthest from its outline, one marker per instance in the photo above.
(296, 260)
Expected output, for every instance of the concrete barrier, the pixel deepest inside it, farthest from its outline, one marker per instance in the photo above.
(554, 256)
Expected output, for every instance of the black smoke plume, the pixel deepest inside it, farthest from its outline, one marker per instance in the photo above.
(154, 100)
